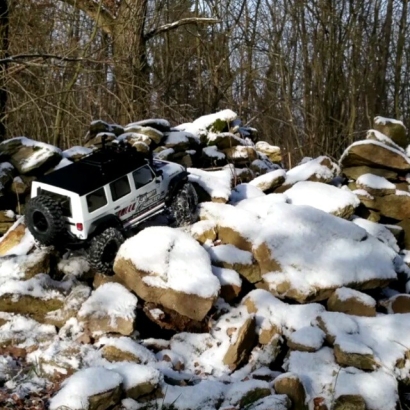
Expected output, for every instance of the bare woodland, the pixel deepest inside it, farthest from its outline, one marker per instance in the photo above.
(310, 75)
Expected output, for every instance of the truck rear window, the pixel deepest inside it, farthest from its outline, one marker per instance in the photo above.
(63, 200)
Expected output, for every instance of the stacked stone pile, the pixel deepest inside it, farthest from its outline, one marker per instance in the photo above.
(287, 293)
(378, 169)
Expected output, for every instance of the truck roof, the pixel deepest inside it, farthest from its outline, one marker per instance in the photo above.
(95, 170)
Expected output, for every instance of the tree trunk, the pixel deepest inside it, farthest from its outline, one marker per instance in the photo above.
(130, 59)
(4, 46)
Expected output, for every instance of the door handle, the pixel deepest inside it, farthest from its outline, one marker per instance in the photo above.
(117, 207)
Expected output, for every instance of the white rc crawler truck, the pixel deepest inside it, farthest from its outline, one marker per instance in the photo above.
(94, 202)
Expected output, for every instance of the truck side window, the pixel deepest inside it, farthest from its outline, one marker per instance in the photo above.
(120, 188)
(96, 200)
(142, 176)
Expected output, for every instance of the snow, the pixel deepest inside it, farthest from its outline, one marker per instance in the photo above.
(383, 121)
(134, 374)
(379, 136)
(262, 206)
(244, 191)
(321, 196)
(212, 137)
(308, 336)
(158, 121)
(216, 183)
(363, 193)
(76, 150)
(322, 377)
(110, 299)
(25, 244)
(63, 163)
(128, 345)
(77, 389)
(345, 294)
(271, 311)
(16, 267)
(229, 254)
(213, 152)
(275, 401)
(307, 257)
(206, 121)
(309, 169)
(201, 227)
(9, 213)
(352, 344)
(374, 182)
(175, 138)
(379, 231)
(24, 332)
(387, 336)
(40, 286)
(236, 391)
(167, 254)
(268, 179)
(75, 266)
(165, 153)
(227, 276)
(27, 142)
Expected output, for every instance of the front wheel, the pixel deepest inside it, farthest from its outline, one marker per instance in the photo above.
(183, 205)
(103, 250)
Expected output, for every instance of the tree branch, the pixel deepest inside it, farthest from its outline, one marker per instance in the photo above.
(174, 25)
(19, 58)
(102, 17)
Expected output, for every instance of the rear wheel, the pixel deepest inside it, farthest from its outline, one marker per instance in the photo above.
(103, 250)
(44, 219)
(183, 205)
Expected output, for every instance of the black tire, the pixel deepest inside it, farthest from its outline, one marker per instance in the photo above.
(103, 249)
(44, 219)
(183, 206)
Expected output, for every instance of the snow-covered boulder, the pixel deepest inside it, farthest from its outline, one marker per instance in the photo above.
(35, 297)
(157, 265)
(375, 185)
(320, 169)
(394, 129)
(230, 257)
(231, 283)
(276, 317)
(29, 156)
(177, 140)
(325, 381)
(94, 388)
(100, 126)
(399, 303)
(335, 201)
(159, 124)
(111, 308)
(22, 332)
(241, 154)
(351, 351)
(204, 231)
(374, 154)
(295, 249)
(124, 349)
(244, 393)
(215, 123)
(292, 386)
(269, 181)
(271, 151)
(72, 304)
(352, 302)
(215, 184)
(224, 140)
(306, 339)
(138, 379)
(76, 152)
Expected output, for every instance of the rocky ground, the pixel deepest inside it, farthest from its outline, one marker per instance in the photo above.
(291, 291)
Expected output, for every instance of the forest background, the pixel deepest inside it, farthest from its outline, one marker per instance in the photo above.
(309, 75)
